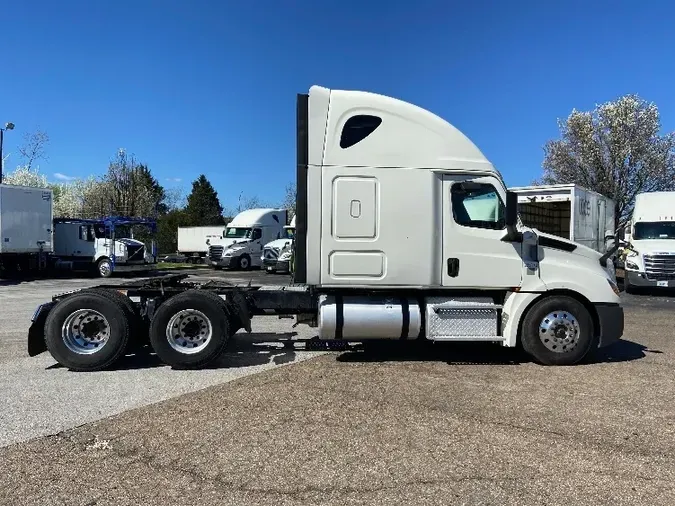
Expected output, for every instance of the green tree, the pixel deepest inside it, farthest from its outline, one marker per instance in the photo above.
(616, 150)
(203, 207)
(167, 230)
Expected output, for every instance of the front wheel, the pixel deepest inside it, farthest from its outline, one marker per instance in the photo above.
(244, 262)
(558, 330)
(104, 268)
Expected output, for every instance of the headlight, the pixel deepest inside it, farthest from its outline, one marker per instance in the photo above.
(632, 265)
(285, 256)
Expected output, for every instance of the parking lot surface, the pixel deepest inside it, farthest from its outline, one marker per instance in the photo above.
(433, 424)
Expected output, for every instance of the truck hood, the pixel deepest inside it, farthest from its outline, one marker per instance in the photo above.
(226, 243)
(655, 246)
(581, 250)
(278, 243)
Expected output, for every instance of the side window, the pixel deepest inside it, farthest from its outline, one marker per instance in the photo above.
(84, 229)
(477, 205)
(257, 234)
(358, 128)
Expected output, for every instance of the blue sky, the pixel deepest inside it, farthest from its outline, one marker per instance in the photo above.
(209, 86)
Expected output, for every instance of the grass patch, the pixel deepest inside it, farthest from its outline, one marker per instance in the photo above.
(176, 266)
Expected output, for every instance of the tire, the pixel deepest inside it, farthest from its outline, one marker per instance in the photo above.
(176, 343)
(244, 262)
(104, 268)
(138, 326)
(558, 330)
(86, 351)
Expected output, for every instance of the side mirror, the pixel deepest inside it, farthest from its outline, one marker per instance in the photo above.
(511, 209)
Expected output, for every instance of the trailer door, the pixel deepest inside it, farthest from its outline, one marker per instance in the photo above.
(474, 254)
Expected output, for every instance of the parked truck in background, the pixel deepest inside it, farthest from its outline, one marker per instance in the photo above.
(649, 252)
(26, 216)
(193, 242)
(242, 242)
(31, 240)
(388, 245)
(276, 255)
(101, 245)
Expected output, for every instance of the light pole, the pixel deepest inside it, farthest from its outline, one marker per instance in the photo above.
(8, 126)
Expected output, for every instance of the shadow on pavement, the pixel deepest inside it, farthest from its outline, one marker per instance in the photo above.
(477, 353)
(244, 350)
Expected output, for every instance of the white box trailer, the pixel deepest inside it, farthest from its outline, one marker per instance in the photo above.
(192, 241)
(25, 226)
(568, 211)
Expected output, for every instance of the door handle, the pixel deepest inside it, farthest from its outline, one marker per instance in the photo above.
(453, 267)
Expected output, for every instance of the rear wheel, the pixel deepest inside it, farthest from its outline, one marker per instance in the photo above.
(190, 330)
(87, 331)
(558, 330)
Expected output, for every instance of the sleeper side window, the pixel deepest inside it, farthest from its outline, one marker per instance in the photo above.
(477, 205)
(358, 128)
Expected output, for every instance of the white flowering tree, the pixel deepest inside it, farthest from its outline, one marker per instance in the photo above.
(616, 149)
(25, 176)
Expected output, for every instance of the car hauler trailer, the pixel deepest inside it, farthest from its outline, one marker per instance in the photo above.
(389, 244)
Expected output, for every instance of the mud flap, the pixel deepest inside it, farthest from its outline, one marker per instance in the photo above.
(36, 332)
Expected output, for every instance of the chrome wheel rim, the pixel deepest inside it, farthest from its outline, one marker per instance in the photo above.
(104, 269)
(559, 331)
(189, 331)
(85, 331)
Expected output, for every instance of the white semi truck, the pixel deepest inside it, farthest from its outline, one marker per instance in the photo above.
(276, 255)
(242, 241)
(193, 242)
(649, 253)
(388, 245)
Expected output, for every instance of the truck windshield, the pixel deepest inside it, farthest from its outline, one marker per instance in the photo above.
(237, 233)
(654, 230)
(289, 233)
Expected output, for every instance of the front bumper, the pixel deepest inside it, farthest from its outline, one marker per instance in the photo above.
(610, 317)
(272, 264)
(639, 279)
(223, 262)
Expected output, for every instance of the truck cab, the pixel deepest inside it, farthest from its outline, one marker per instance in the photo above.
(276, 255)
(649, 255)
(241, 245)
(83, 244)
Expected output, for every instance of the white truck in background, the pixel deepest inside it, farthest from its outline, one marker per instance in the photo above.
(276, 255)
(193, 242)
(102, 245)
(242, 241)
(390, 243)
(649, 253)
(26, 216)
(571, 212)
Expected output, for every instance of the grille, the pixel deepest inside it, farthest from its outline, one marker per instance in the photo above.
(660, 267)
(271, 253)
(135, 253)
(216, 252)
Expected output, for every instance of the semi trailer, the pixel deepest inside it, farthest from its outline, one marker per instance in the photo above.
(193, 242)
(393, 241)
